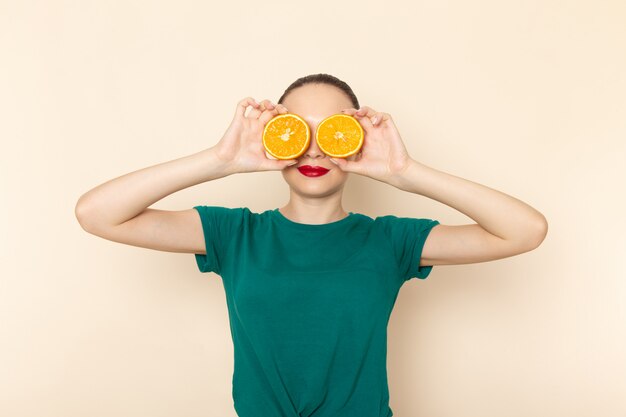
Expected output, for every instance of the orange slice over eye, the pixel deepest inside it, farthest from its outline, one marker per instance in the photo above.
(286, 136)
(339, 135)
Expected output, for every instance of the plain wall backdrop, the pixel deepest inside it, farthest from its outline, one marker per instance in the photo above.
(526, 97)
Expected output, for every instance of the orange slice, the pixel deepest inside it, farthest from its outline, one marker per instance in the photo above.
(286, 136)
(339, 135)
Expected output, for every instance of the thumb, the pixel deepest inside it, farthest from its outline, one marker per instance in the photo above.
(286, 163)
(343, 164)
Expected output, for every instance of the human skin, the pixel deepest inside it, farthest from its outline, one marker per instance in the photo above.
(118, 209)
(315, 200)
(505, 226)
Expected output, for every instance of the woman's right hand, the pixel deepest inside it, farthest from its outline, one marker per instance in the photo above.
(241, 148)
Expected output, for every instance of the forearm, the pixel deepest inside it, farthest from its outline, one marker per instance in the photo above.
(498, 213)
(124, 197)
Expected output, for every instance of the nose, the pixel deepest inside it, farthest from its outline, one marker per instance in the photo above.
(314, 151)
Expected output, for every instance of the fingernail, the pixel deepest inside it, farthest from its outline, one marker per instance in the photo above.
(374, 120)
(333, 161)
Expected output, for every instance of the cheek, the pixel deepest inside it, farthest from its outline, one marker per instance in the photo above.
(292, 174)
(289, 173)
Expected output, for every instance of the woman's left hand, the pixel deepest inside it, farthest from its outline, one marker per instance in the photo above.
(383, 155)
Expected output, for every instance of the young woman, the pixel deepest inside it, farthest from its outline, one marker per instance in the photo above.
(309, 286)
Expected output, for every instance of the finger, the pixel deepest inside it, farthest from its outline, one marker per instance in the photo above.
(243, 105)
(267, 105)
(346, 165)
(288, 163)
(366, 111)
(279, 164)
(367, 116)
(269, 111)
(254, 113)
(364, 121)
(268, 115)
(281, 109)
(378, 118)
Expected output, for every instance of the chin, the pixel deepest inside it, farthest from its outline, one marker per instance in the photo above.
(316, 193)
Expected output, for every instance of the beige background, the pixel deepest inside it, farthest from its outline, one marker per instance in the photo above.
(527, 97)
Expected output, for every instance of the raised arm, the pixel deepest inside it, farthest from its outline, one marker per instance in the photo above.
(505, 226)
(117, 210)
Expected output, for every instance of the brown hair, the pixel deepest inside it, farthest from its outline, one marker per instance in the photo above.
(322, 79)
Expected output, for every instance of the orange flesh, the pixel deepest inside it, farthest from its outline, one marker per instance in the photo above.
(339, 135)
(286, 136)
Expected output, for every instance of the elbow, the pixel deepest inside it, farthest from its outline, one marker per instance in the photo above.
(82, 215)
(540, 231)
(532, 237)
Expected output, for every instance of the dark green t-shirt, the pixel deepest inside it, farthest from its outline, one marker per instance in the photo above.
(309, 305)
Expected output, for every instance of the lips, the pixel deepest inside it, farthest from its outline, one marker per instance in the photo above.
(312, 171)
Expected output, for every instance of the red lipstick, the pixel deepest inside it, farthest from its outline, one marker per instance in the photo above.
(312, 171)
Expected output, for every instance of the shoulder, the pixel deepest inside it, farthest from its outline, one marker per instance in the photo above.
(391, 223)
(223, 211)
(220, 217)
(232, 215)
(398, 229)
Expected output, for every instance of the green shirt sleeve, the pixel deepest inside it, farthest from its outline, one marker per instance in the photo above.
(219, 226)
(407, 237)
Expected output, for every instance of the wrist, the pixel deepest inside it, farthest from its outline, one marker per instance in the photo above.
(405, 178)
(216, 165)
